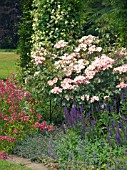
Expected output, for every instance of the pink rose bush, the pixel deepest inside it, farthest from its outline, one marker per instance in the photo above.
(83, 69)
(17, 116)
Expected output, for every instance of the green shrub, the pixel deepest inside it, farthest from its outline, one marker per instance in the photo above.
(47, 21)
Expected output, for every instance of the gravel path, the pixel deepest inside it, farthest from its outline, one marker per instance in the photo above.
(27, 163)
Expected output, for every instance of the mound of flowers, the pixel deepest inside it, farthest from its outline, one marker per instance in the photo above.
(17, 116)
(79, 72)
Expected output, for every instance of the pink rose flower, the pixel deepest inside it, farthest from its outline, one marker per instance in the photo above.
(60, 44)
(121, 85)
(50, 83)
(94, 98)
(56, 90)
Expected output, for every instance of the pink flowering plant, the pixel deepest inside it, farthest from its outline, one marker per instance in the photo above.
(81, 72)
(17, 116)
(36, 79)
(3, 155)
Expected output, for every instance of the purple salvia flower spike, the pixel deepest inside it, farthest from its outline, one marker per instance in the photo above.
(115, 103)
(111, 108)
(93, 122)
(122, 96)
(117, 138)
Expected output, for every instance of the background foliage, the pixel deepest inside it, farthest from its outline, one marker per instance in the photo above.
(49, 21)
(10, 13)
(106, 17)
(97, 15)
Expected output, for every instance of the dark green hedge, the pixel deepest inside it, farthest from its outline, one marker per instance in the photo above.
(25, 32)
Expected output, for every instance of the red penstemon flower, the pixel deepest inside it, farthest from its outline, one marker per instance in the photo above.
(15, 120)
(3, 155)
(7, 138)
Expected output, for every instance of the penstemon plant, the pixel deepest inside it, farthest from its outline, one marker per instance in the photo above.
(17, 116)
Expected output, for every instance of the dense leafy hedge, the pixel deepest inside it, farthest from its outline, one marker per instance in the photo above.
(24, 45)
(54, 20)
(48, 21)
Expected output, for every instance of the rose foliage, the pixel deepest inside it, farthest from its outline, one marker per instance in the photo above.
(79, 73)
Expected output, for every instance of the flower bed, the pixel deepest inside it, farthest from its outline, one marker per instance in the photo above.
(87, 86)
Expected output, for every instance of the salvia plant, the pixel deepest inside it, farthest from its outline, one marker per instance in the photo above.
(102, 119)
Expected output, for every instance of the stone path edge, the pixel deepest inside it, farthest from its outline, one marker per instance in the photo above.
(27, 163)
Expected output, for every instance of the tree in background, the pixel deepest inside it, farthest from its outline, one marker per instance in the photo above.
(107, 19)
(119, 16)
(9, 18)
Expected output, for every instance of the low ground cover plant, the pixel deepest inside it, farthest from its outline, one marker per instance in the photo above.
(69, 151)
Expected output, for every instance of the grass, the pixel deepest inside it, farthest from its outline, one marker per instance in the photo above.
(4, 165)
(8, 50)
(8, 65)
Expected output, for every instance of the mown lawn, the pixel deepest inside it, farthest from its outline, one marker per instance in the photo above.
(4, 165)
(8, 63)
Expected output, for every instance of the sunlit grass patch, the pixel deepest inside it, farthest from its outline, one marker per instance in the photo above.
(8, 64)
(4, 165)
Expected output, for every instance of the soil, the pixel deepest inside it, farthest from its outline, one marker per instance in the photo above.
(27, 163)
